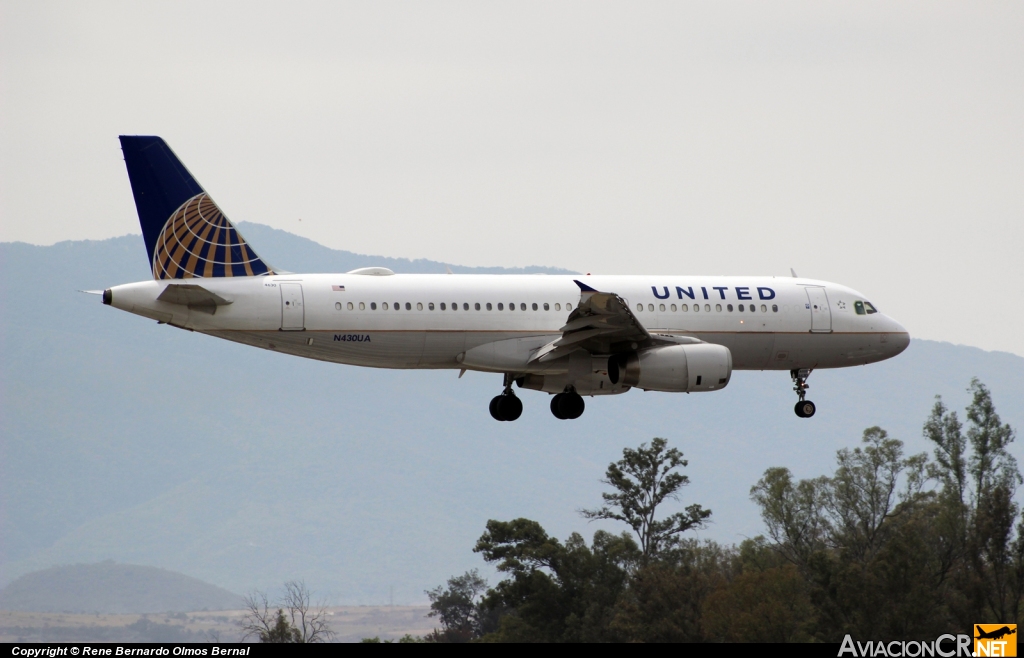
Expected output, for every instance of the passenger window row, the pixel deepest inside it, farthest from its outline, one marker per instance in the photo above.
(454, 306)
(685, 308)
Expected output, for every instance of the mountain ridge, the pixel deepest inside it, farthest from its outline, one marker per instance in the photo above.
(111, 588)
(124, 439)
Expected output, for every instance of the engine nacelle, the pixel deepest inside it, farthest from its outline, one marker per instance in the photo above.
(674, 368)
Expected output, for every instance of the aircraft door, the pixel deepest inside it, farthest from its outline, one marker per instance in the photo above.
(821, 314)
(293, 313)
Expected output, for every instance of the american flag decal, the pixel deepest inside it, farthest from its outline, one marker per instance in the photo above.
(338, 288)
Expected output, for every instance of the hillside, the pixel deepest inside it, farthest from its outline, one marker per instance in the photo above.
(111, 588)
(123, 439)
(292, 253)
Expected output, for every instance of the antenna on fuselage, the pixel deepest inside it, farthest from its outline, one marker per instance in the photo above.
(793, 272)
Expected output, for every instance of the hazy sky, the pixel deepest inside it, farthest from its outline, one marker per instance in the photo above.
(880, 145)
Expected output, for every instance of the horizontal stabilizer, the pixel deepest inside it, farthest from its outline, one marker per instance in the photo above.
(195, 297)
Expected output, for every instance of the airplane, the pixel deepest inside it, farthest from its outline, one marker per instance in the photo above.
(996, 634)
(568, 336)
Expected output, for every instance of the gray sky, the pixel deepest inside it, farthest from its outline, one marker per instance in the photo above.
(875, 144)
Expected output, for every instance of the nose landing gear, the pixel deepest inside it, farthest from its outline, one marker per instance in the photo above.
(804, 408)
(506, 407)
(568, 405)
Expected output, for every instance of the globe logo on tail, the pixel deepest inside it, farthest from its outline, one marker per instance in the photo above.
(198, 241)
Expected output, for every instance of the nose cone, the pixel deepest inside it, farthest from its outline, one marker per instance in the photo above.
(899, 337)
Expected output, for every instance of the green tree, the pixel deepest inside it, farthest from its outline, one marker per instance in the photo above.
(792, 513)
(982, 552)
(850, 536)
(610, 589)
(760, 605)
(644, 479)
(554, 592)
(863, 493)
(665, 596)
(887, 554)
(459, 608)
(281, 632)
(888, 546)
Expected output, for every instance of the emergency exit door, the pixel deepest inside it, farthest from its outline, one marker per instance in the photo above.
(293, 313)
(821, 314)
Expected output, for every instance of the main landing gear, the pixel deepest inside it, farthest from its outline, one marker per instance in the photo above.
(804, 408)
(507, 406)
(568, 405)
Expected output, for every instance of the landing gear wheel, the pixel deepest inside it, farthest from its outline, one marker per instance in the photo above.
(805, 409)
(567, 406)
(506, 407)
(573, 405)
(555, 406)
(510, 407)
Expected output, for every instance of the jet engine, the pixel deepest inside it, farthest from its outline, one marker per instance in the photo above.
(673, 368)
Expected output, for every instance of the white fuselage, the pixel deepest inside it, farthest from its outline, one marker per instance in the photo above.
(397, 321)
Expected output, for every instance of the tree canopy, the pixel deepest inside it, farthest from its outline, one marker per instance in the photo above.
(888, 546)
(642, 480)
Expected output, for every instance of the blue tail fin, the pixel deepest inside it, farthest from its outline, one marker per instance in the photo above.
(186, 234)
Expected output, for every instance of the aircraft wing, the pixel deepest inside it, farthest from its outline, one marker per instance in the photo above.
(601, 324)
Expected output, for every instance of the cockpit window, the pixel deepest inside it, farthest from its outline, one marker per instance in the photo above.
(864, 308)
(859, 307)
(870, 308)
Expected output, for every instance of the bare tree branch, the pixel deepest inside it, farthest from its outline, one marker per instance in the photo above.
(304, 623)
(258, 618)
(309, 621)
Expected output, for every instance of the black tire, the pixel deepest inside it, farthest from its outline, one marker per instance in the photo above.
(805, 409)
(571, 406)
(797, 410)
(556, 406)
(494, 408)
(509, 407)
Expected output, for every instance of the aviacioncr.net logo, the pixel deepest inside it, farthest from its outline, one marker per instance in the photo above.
(944, 646)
